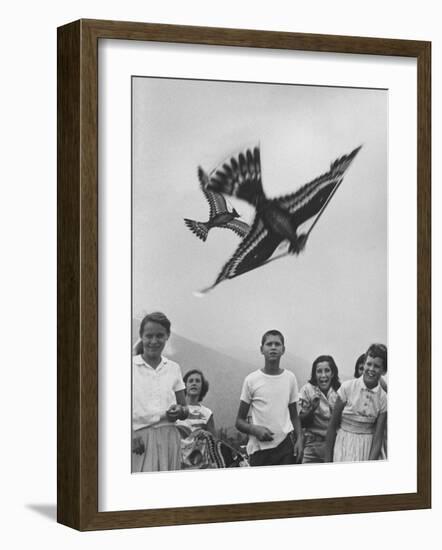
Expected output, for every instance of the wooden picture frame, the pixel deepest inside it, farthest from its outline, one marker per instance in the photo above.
(77, 224)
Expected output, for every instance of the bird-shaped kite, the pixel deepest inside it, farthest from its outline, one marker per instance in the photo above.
(276, 220)
(219, 215)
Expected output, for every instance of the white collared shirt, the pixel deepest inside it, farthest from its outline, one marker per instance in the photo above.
(361, 403)
(153, 390)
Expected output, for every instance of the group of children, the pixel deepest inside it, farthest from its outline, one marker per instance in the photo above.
(325, 421)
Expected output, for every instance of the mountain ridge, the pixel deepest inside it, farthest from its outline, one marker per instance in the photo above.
(225, 373)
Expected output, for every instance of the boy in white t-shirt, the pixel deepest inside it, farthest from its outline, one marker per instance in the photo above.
(269, 395)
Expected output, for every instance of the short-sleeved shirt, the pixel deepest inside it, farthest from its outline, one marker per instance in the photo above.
(362, 405)
(322, 414)
(269, 397)
(153, 391)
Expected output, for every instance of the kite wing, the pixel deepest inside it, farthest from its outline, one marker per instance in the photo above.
(217, 203)
(239, 227)
(240, 177)
(307, 201)
(258, 245)
(260, 242)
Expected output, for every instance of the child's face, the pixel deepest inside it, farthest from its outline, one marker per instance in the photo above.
(194, 385)
(324, 375)
(272, 348)
(373, 370)
(154, 338)
(361, 369)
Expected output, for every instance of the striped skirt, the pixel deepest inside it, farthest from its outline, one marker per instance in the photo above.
(351, 447)
(353, 441)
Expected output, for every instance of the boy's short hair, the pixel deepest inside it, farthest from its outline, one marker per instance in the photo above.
(155, 317)
(378, 350)
(272, 332)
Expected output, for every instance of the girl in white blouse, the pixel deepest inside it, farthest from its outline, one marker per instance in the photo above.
(158, 400)
(357, 426)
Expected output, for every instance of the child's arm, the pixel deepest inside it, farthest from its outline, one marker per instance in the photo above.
(260, 432)
(378, 437)
(333, 426)
(211, 425)
(296, 421)
(307, 411)
(137, 445)
(180, 410)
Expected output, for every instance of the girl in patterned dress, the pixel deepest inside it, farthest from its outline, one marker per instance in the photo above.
(359, 369)
(200, 447)
(199, 418)
(356, 429)
(317, 399)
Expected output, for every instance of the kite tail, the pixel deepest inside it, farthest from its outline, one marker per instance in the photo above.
(200, 229)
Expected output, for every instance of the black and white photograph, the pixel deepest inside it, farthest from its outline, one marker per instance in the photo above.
(199, 198)
(259, 274)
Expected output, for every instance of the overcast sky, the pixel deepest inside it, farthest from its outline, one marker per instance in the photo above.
(332, 299)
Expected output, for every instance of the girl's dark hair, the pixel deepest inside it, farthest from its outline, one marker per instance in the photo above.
(378, 350)
(335, 383)
(204, 383)
(272, 332)
(155, 317)
(359, 360)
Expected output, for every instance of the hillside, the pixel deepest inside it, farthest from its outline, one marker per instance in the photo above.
(224, 372)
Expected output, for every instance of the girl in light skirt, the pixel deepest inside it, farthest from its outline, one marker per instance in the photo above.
(356, 429)
(158, 400)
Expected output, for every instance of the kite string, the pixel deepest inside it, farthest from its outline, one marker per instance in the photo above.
(323, 208)
(286, 253)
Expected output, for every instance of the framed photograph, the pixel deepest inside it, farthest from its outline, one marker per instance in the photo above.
(243, 231)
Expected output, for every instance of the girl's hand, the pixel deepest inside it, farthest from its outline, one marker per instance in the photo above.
(315, 402)
(298, 450)
(328, 454)
(173, 412)
(138, 446)
(262, 433)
